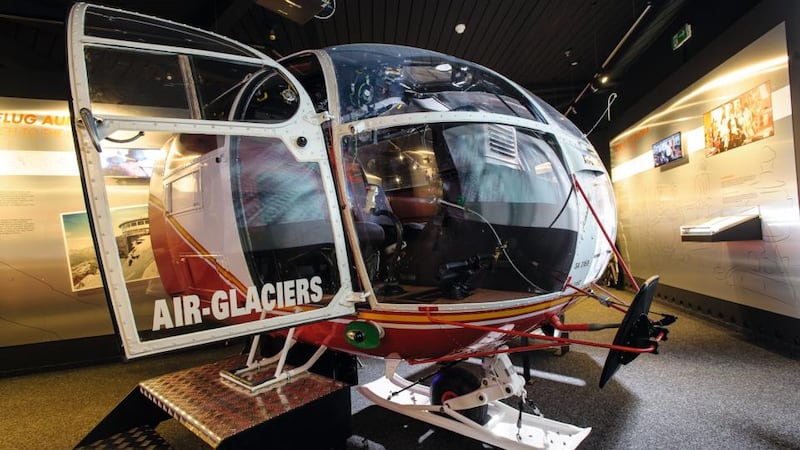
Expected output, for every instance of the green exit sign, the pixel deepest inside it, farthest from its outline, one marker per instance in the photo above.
(681, 36)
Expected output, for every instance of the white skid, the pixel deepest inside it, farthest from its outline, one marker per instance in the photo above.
(501, 429)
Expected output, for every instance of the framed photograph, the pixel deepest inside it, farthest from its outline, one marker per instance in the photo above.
(133, 243)
(740, 121)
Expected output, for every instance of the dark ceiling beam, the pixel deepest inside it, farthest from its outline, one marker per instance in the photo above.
(647, 37)
(21, 57)
(589, 85)
(232, 15)
(554, 88)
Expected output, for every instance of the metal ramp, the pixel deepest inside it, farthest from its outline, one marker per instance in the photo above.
(226, 416)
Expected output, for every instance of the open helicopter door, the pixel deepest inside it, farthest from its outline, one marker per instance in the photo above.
(209, 192)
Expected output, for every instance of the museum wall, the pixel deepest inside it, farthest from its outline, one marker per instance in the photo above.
(51, 286)
(728, 124)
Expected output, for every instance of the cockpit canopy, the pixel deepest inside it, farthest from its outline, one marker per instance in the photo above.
(450, 209)
(464, 207)
(379, 80)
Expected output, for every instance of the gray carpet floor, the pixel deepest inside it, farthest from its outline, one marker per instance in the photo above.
(709, 388)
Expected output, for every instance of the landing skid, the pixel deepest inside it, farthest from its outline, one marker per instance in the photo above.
(260, 374)
(506, 427)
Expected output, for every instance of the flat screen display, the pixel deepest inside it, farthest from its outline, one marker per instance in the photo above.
(667, 150)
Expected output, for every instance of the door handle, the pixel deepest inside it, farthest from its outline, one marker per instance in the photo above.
(92, 127)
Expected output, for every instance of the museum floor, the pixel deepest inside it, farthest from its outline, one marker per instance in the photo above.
(709, 388)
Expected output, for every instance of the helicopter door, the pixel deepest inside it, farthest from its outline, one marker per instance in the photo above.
(210, 199)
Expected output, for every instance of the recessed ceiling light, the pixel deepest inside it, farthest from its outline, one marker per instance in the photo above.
(460, 28)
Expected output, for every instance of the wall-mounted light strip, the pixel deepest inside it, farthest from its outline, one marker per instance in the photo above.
(694, 139)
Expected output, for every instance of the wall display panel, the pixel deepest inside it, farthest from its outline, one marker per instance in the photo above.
(133, 242)
(745, 119)
(752, 172)
(667, 150)
(39, 182)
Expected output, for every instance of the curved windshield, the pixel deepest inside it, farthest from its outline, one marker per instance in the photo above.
(461, 212)
(554, 117)
(377, 80)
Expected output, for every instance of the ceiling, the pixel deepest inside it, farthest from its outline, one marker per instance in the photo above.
(552, 47)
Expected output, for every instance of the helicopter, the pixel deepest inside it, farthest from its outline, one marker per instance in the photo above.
(372, 199)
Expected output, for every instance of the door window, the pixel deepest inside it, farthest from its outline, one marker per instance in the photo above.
(243, 234)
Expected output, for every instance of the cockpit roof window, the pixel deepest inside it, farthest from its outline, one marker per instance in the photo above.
(380, 80)
(116, 24)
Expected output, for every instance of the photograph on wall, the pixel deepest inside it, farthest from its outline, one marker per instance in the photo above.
(667, 150)
(742, 120)
(133, 244)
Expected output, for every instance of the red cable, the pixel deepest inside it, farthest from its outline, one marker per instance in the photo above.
(555, 342)
(608, 238)
(459, 356)
(589, 294)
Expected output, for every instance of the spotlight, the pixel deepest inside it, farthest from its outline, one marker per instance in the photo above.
(272, 36)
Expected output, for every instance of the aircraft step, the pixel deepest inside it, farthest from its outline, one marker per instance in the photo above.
(142, 437)
(225, 415)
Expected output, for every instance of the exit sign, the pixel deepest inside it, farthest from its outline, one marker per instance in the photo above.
(681, 36)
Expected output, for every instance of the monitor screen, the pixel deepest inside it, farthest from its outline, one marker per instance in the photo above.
(667, 150)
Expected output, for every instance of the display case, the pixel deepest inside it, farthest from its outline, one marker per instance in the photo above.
(745, 227)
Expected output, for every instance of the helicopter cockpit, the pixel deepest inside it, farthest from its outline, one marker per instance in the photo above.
(457, 213)
(454, 203)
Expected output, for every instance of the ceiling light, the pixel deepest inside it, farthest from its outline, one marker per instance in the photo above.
(573, 63)
(298, 11)
(460, 28)
(604, 79)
